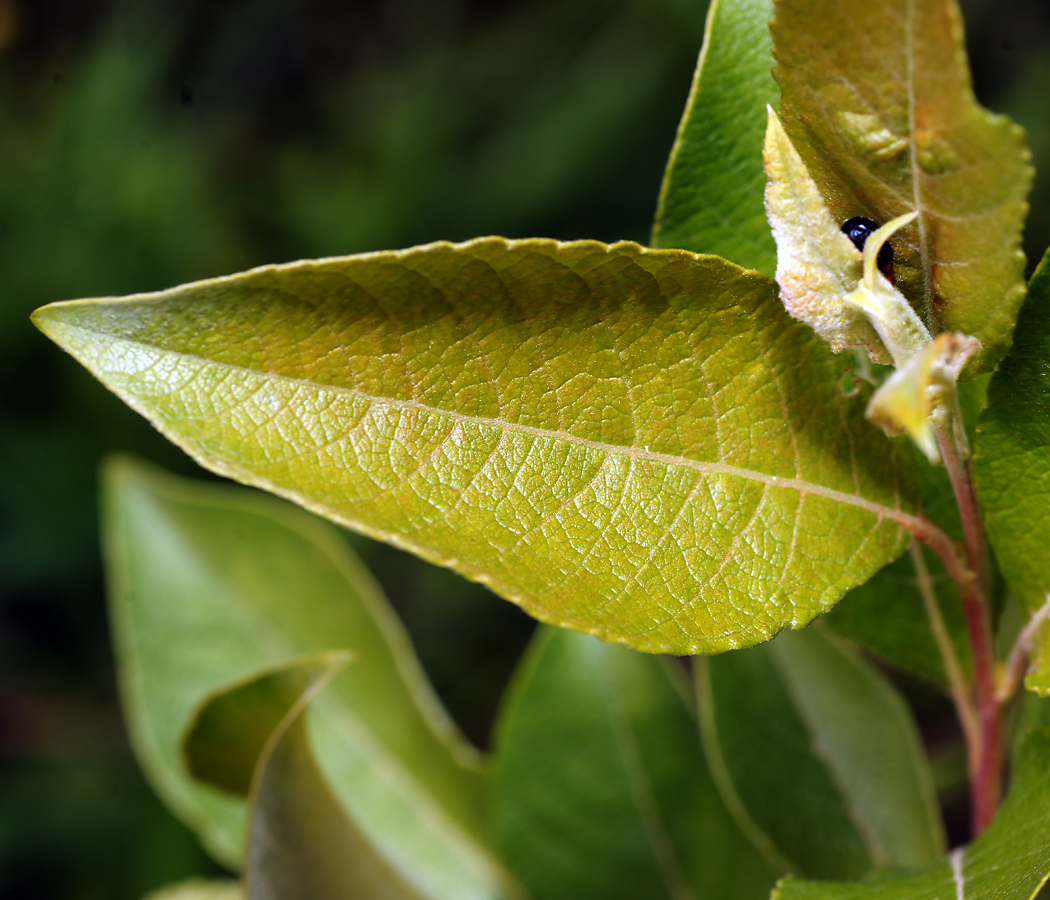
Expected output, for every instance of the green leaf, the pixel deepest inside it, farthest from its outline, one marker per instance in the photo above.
(711, 197)
(600, 787)
(878, 101)
(818, 757)
(1010, 861)
(210, 584)
(635, 443)
(887, 616)
(1012, 464)
(300, 843)
(198, 889)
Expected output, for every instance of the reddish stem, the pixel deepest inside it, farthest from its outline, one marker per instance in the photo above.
(985, 765)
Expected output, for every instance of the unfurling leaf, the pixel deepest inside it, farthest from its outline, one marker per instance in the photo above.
(301, 843)
(922, 390)
(1009, 861)
(817, 265)
(819, 757)
(877, 99)
(1012, 465)
(824, 280)
(600, 788)
(635, 443)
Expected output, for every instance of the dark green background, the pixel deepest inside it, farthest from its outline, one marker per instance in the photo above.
(144, 144)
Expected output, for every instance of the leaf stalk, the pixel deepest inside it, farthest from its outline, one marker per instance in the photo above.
(986, 755)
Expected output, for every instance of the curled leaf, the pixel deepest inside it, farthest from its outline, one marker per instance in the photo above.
(923, 390)
(817, 265)
(824, 280)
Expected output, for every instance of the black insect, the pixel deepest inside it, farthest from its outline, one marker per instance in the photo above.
(857, 230)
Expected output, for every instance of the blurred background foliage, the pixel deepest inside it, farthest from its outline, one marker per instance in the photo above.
(147, 143)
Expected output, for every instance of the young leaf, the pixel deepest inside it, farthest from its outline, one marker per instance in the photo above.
(210, 584)
(635, 443)
(888, 614)
(878, 101)
(300, 841)
(600, 786)
(198, 889)
(711, 197)
(819, 757)
(1012, 464)
(1009, 861)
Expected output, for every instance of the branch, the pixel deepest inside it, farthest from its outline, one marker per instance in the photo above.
(1017, 663)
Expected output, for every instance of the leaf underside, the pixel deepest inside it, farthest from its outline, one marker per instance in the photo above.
(211, 584)
(301, 843)
(1012, 464)
(634, 443)
(877, 99)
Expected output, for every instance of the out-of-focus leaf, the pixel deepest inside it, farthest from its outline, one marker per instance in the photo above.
(211, 584)
(886, 615)
(301, 843)
(600, 786)
(711, 198)
(631, 442)
(1010, 861)
(198, 889)
(878, 101)
(1012, 464)
(819, 758)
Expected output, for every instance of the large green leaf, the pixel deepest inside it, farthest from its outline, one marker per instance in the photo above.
(878, 101)
(819, 758)
(211, 584)
(600, 787)
(252, 736)
(1010, 861)
(635, 443)
(1012, 463)
(711, 197)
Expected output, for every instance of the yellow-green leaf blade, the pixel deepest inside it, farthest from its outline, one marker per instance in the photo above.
(1010, 861)
(877, 99)
(639, 444)
(711, 198)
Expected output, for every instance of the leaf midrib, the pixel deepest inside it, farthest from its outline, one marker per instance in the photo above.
(634, 452)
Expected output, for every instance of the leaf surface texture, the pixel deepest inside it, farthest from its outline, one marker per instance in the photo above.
(639, 444)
